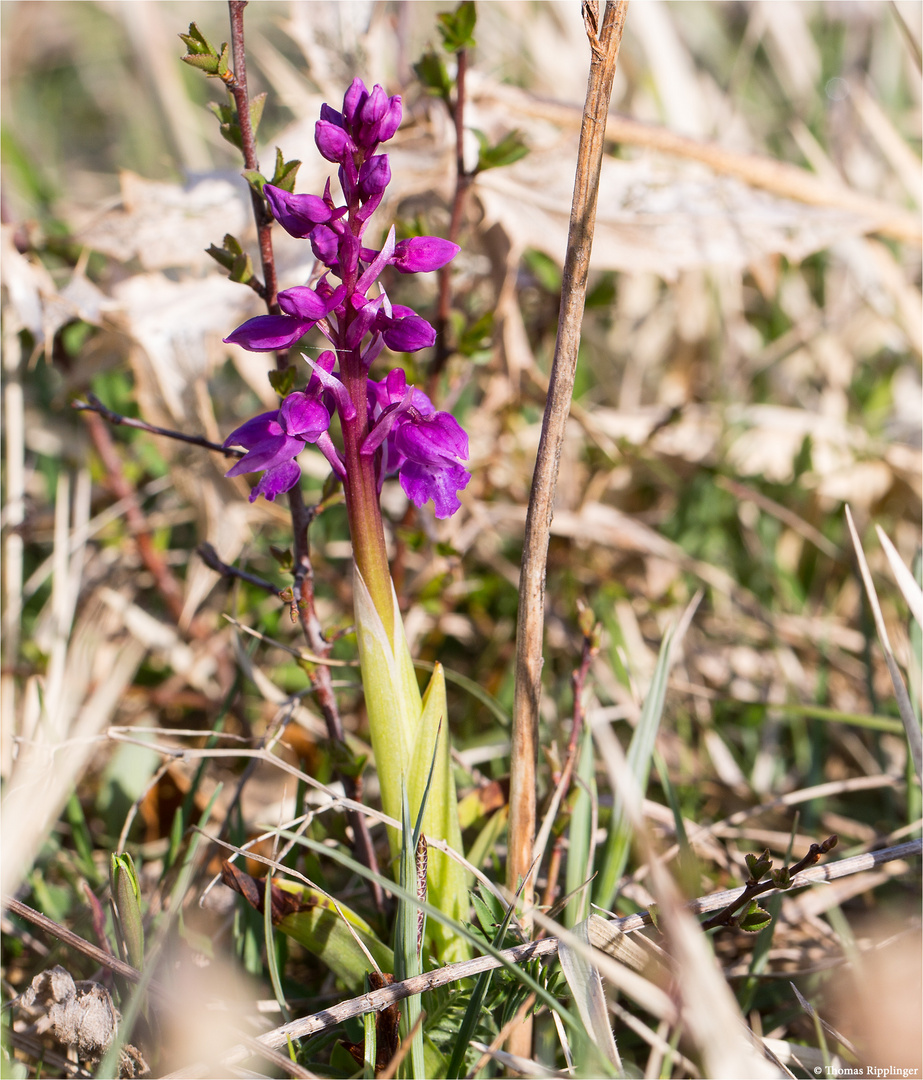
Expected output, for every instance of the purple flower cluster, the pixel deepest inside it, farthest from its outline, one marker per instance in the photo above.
(386, 425)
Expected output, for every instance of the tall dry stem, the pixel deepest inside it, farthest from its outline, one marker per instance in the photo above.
(604, 41)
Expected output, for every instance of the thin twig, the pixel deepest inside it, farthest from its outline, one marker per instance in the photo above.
(93, 404)
(538, 521)
(237, 86)
(754, 887)
(209, 556)
(167, 584)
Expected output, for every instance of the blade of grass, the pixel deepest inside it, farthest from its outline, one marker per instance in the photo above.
(272, 959)
(640, 753)
(640, 750)
(471, 687)
(910, 720)
(913, 594)
(580, 836)
(586, 989)
(473, 1011)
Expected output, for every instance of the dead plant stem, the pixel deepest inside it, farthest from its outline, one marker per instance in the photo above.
(237, 88)
(604, 43)
(605, 48)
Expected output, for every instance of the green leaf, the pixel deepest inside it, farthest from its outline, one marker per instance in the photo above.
(126, 901)
(207, 64)
(323, 932)
(283, 381)
(285, 172)
(227, 123)
(234, 259)
(256, 111)
(456, 27)
(198, 44)
(474, 689)
(430, 69)
(223, 66)
(510, 148)
(782, 878)
(754, 919)
(272, 958)
(580, 839)
(759, 865)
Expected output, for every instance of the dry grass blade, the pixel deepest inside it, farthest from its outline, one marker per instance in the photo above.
(912, 592)
(910, 720)
(587, 991)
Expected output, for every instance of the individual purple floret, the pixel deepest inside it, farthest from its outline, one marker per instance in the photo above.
(274, 439)
(425, 448)
(387, 427)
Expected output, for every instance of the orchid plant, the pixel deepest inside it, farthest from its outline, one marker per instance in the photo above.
(388, 428)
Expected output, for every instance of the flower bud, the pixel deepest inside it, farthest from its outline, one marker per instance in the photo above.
(333, 142)
(374, 176)
(421, 254)
(297, 214)
(408, 334)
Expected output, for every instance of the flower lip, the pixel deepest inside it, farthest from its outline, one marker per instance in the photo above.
(266, 333)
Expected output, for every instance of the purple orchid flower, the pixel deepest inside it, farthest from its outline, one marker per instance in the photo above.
(425, 448)
(388, 428)
(274, 439)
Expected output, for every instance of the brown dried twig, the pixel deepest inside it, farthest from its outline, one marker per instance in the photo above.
(93, 404)
(236, 82)
(531, 618)
(780, 879)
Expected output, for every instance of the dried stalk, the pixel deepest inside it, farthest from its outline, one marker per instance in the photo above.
(605, 47)
(604, 43)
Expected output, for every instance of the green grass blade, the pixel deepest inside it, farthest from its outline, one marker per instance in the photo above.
(469, 1023)
(640, 752)
(272, 960)
(471, 687)
(580, 836)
